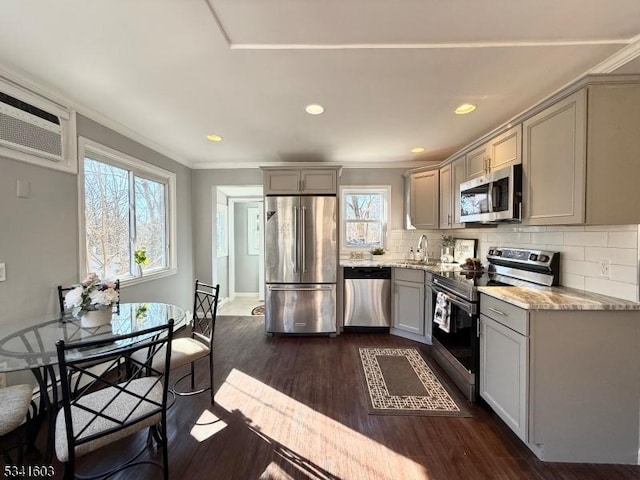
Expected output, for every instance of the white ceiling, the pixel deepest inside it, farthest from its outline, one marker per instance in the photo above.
(388, 72)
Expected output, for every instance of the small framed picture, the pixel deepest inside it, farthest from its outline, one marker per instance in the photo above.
(464, 248)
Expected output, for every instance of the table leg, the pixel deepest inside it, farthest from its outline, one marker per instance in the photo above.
(46, 376)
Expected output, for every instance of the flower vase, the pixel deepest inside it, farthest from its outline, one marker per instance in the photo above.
(96, 318)
(447, 255)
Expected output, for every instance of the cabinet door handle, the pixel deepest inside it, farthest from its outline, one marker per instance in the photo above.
(488, 164)
(497, 311)
(449, 219)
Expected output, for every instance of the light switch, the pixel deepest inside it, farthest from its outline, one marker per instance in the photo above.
(3, 272)
(23, 190)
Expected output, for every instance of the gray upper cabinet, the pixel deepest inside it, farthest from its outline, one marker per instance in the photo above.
(445, 197)
(554, 163)
(578, 153)
(506, 149)
(477, 161)
(451, 176)
(300, 181)
(424, 199)
(499, 152)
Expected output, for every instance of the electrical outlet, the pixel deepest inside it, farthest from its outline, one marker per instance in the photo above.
(604, 267)
(3, 272)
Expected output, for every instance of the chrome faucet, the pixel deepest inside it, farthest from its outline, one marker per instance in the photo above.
(423, 244)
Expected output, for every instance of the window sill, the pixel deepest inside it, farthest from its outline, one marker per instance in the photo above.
(130, 281)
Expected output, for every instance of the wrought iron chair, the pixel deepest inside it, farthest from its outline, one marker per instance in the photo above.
(200, 344)
(110, 408)
(14, 416)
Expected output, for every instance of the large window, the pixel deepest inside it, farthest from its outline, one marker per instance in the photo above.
(364, 216)
(127, 213)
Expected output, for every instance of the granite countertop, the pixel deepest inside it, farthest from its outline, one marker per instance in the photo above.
(397, 263)
(557, 298)
(530, 298)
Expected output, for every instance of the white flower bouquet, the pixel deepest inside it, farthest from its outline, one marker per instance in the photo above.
(91, 294)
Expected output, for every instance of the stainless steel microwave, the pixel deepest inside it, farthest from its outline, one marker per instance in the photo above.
(492, 198)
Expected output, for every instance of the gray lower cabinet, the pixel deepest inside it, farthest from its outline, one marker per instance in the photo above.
(565, 381)
(408, 300)
(428, 309)
(504, 381)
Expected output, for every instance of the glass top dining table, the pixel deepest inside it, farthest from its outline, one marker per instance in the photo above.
(32, 345)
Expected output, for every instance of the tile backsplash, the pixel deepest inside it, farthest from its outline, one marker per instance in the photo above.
(580, 250)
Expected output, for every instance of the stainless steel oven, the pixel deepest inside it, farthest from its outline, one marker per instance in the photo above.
(456, 348)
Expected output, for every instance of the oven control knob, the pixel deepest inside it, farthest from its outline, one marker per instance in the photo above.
(543, 258)
(498, 253)
(533, 257)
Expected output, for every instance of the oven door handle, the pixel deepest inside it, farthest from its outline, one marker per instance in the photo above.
(470, 308)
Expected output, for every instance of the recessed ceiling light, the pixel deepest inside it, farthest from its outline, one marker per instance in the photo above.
(417, 150)
(214, 138)
(314, 109)
(465, 108)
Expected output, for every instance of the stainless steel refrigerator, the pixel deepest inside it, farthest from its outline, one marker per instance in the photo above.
(300, 264)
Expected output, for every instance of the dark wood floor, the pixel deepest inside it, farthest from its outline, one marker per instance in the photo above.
(294, 408)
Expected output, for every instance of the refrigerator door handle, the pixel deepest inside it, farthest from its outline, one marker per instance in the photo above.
(297, 288)
(303, 242)
(295, 239)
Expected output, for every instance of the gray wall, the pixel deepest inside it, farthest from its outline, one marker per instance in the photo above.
(204, 184)
(246, 266)
(380, 177)
(39, 239)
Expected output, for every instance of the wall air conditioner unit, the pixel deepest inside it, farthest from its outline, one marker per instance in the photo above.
(35, 129)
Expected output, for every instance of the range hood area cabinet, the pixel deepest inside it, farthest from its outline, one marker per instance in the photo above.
(501, 151)
(422, 193)
(581, 158)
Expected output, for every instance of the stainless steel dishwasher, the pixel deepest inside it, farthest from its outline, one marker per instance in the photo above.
(367, 297)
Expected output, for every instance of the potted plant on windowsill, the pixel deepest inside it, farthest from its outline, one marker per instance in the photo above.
(140, 257)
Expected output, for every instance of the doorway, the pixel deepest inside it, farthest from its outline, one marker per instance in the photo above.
(242, 271)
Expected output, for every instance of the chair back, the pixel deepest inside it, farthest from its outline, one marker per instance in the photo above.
(62, 291)
(205, 308)
(143, 391)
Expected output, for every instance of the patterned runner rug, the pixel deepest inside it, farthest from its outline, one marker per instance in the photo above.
(400, 382)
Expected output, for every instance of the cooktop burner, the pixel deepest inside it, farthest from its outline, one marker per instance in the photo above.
(508, 267)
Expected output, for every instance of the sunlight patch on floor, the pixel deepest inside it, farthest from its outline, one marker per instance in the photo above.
(312, 442)
(206, 426)
(274, 472)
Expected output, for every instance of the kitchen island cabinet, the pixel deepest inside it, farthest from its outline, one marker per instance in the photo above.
(563, 376)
